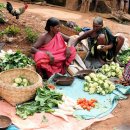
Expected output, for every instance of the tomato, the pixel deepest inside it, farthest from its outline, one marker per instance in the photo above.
(86, 104)
(92, 105)
(90, 102)
(51, 86)
(88, 108)
(94, 100)
(79, 101)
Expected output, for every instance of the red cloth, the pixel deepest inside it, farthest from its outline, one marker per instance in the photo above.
(57, 47)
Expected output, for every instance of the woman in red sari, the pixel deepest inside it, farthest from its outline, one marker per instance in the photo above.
(51, 54)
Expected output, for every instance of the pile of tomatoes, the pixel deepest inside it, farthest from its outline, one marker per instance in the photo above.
(86, 104)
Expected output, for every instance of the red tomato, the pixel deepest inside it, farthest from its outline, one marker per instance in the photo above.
(51, 86)
(88, 108)
(92, 105)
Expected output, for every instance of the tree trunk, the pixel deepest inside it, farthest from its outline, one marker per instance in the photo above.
(72, 4)
(85, 6)
(129, 7)
(100, 6)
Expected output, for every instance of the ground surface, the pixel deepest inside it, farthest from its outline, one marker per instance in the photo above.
(36, 17)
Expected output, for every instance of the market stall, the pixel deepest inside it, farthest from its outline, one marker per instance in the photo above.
(71, 100)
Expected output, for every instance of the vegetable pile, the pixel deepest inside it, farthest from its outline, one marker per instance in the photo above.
(98, 83)
(86, 104)
(45, 100)
(11, 60)
(112, 70)
(21, 81)
(124, 57)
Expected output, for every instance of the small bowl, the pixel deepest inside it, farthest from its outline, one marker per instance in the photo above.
(5, 122)
(82, 73)
(63, 80)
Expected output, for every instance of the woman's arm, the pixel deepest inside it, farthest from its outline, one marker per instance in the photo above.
(74, 42)
(65, 37)
(41, 41)
(38, 44)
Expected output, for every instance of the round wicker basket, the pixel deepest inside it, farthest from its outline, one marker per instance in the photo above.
(16, 95)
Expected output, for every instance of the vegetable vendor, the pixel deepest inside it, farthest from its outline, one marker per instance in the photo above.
(103, 46)
(51, 53)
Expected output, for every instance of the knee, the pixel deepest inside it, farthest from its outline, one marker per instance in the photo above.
(101, 39)
(120, 40)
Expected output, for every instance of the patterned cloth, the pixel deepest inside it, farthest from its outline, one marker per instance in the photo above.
(126, 73)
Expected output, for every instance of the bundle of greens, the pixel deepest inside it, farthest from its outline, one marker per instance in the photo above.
(124, 57)
(44, 101)
(11, 60)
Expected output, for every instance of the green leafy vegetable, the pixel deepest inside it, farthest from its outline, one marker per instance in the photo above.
(124, 57)
(15, 60)
(45, 100)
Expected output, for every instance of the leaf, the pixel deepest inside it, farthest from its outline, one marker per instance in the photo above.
(45, 100)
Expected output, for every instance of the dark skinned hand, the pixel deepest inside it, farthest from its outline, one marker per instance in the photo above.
(51, 57)
(67, 53)
(104, 48)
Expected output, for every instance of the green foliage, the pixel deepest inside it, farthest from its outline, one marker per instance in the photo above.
(1, 33)
(12, 30)
(2, 18)
(2, 6)
(31, 35)
(45, 101)
(15, 60)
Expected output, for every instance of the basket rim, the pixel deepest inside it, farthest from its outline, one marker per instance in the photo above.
(22, 87)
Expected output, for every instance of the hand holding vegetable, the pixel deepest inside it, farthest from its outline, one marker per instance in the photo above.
(104, 48)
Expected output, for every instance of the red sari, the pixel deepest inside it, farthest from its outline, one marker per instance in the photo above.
(57, 47)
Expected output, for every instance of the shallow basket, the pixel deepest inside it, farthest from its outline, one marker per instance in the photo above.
(68, 31)
(16, 95)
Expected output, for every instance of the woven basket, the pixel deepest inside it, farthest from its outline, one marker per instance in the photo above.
(16, 95)
(82, 54)
(68, 31)
(30, 68)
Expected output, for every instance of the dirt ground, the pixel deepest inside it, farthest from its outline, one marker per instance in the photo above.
(36, 16)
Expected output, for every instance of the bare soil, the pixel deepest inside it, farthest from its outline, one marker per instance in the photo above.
(36, 16)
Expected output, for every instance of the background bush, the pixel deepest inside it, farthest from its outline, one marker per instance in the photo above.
(31, 35)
